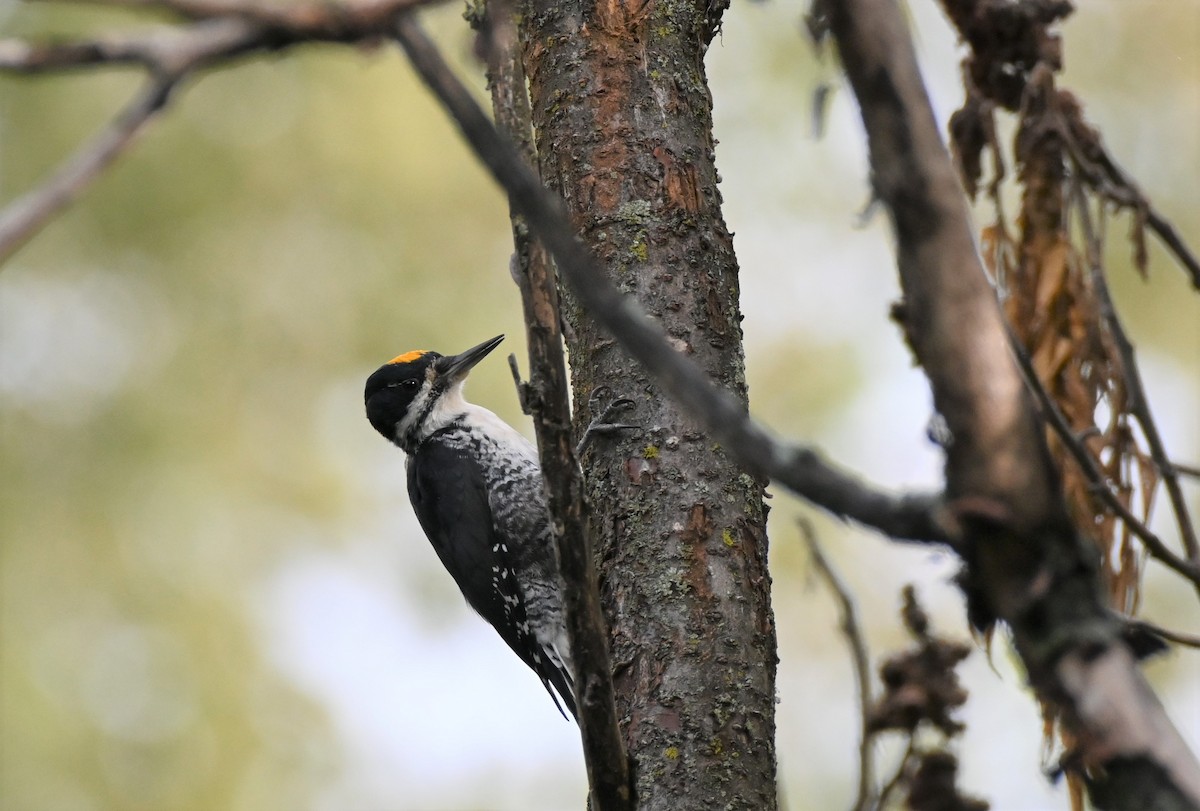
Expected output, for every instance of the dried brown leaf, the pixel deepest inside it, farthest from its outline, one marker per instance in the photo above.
(1052, 275)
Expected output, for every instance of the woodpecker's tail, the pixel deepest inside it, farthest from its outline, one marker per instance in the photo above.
(554, 671)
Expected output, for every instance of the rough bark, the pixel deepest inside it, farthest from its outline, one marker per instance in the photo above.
(623, 120)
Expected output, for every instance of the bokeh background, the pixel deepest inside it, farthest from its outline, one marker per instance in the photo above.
(214, 593)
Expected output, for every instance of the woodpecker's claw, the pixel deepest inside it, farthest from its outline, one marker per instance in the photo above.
(603, 416)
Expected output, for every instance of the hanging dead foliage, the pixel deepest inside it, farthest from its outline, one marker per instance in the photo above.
(1049, 271)
(921, 695)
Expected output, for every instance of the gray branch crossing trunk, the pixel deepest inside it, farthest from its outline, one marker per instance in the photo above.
(624, 132)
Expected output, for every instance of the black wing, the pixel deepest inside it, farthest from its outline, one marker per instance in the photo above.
(446, 488)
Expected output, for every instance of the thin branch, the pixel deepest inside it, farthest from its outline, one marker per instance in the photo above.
(903, 771)
(1166, 232)
(1186, 470)
(26, 215)
(1139, 404)
(1109, 180)
(548, 401)
(801, 469)
(321, 19)
(142, 48)
(226, 29)
(169, 55)
(1062, 427)
(867, 797)
(1178, 637)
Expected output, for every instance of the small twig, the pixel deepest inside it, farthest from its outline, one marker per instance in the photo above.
(1139, 404)
(25, 216)
(1186, 470)
(1110, 181)
(1174, 243)
(320, 18)
(521, 386)
(902, 771)
(852, 630)
(801, 469)
(1178, 637)
(1058, 421)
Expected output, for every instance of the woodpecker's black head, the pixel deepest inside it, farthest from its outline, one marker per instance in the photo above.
(401, 394)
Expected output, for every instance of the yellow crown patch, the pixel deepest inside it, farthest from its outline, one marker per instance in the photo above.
(408, 357)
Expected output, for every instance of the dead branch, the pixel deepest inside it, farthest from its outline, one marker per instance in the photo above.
(868, 797)
(1108, 179)
(162, 50)
(1000, 69)
(224, 30)
(1186, 470)
(306, 19)
(903, 774)
(1178, 637)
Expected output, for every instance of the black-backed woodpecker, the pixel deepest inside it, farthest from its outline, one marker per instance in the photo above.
(476, 487)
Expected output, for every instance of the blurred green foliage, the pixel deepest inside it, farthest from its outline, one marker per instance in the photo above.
(181, 351)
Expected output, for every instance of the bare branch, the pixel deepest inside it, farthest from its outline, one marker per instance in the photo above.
(903, 773)
(1186, 470)
(799, 468)
(950, 314)
(26, 215)
(1109, 180)
(142, 49)
(1174, 243)
(226, 29)
(868, 797)
(1139, 404)
(1178, 637)
(345, 19)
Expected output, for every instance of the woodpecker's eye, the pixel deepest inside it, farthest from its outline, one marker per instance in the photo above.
(408, 385)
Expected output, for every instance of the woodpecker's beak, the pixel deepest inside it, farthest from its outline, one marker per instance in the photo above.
(455, 367)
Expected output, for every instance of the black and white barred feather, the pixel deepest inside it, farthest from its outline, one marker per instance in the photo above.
(476, 487)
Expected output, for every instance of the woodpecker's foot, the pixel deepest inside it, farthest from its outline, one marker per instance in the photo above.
(604, 409)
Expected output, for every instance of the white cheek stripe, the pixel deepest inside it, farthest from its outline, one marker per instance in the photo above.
(414, 413)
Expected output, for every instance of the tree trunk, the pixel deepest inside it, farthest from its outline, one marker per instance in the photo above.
(624, 132)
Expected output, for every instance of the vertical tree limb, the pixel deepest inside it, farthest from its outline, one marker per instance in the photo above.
(623, 119)
(547, 398)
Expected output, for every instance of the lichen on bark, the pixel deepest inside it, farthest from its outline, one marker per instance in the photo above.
(624, 132)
